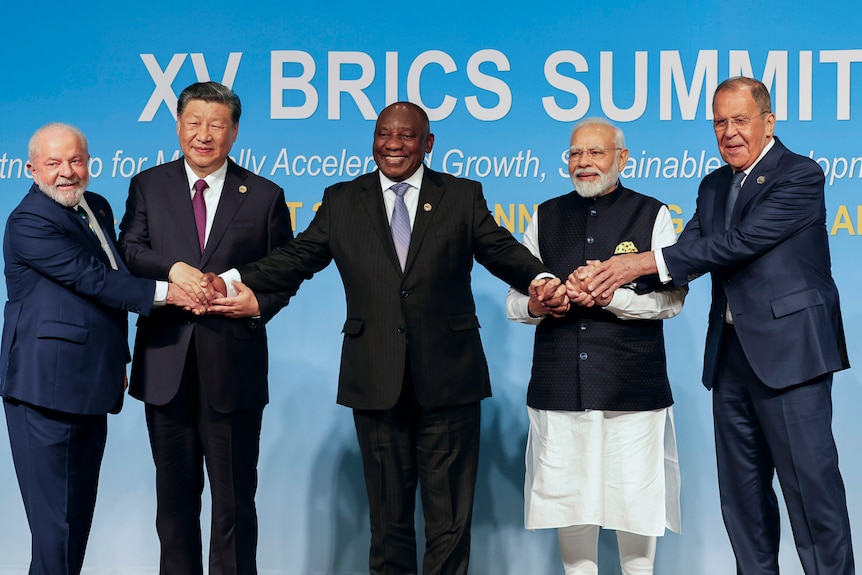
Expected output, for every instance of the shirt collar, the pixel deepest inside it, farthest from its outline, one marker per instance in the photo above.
(415, 180)
(217, 177)
(763, 152)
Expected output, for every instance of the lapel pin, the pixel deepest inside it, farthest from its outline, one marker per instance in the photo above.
(243, 189)
(102, 213)
(427, 207)
(761, 179)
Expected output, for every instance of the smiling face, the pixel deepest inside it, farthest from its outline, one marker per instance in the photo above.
(740, 146)
(206, 133)
(401, 140)
(593, 176)
(59, 165)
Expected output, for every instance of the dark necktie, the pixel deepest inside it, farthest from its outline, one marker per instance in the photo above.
(80, 211)
(200, 209)
(400, 224)
(735, 184)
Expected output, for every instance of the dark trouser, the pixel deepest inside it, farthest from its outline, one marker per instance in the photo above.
(439, 449)
(760, 431)
(57, 459)
(185, 433)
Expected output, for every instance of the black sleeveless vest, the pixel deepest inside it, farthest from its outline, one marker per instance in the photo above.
(589, 359)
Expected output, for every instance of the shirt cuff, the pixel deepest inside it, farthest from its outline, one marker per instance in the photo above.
(229, 277)
(161, 295)
(661, 266)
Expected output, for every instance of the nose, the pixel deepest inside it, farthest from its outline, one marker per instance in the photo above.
(393, 142)
(66, 170)
(203, 133)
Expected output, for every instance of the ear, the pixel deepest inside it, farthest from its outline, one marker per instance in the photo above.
(621, 161)
(429, 143)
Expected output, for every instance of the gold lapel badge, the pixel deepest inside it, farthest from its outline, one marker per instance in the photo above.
(427, 207)
(243, 189)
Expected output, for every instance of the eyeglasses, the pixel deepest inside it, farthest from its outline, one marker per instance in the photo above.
(593, 153)
(741, 122)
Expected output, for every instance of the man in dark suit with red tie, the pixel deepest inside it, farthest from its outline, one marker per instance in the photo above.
(775, 335)
(64, 351)
(412, 365)
(203, 378)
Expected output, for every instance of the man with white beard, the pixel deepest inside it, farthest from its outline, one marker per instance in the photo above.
(601, 451)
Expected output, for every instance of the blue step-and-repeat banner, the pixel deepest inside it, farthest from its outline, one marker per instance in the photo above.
(503, 83)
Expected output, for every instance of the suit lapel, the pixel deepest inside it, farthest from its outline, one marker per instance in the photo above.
(371, 196)
(759, 178)
(178, 197)
(429, 199)
(107, 225)
(233, 195)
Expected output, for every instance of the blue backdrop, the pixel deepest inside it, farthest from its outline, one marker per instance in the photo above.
(503, 82)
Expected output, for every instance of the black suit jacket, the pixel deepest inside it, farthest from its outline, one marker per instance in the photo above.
(772, 265)
(157, 230)
(427, 311)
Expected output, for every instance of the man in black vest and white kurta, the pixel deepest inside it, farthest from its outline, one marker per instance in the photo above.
(601, 450)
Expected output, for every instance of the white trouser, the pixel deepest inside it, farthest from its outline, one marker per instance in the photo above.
(579, 548)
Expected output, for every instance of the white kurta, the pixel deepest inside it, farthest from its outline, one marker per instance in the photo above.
(615, 469)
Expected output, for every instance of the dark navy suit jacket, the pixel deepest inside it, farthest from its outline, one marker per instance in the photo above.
(772, 265)
(65, 332)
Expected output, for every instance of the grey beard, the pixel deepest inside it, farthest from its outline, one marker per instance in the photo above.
(68, 199)
(604, 184)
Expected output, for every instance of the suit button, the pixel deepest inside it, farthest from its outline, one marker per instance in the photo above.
(400, 329)
(583, 327)
(405, 293)
(583, 355)
(591, 240)
(593, 212)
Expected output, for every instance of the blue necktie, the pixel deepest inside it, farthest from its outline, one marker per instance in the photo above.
(400, 224)
(735, 184)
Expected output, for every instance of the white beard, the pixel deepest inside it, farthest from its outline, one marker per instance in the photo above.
(70, 198)
(605, 183)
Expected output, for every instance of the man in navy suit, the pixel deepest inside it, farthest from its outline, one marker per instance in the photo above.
(775, 335)
(412, 365)
(64, 344)
(203, 378)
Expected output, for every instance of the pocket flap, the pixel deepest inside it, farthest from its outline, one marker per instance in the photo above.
(61, 330)
(463, 321)
(353, 326)
(795, 302)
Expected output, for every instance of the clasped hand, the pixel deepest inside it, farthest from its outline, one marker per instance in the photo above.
(191, 289)
(548, 297)
(202, 293)
(578, 286)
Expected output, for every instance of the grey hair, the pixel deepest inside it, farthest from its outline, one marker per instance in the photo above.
(33, 146)
(619, 137)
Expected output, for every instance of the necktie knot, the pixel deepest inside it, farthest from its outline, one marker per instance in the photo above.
(200, 186)
(400, 188)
